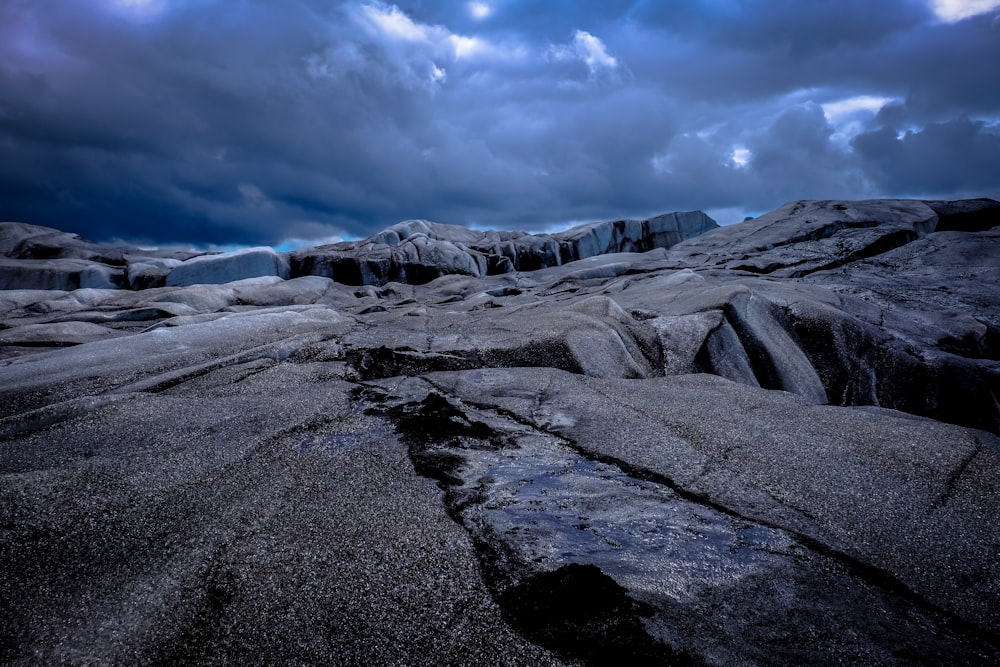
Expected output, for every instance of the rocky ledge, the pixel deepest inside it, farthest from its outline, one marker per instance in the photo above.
(639, 442)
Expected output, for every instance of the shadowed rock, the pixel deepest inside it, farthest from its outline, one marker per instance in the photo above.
(58, 274)
(583, 613)
(808, 236)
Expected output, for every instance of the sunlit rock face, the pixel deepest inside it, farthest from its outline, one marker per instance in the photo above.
(652, 442)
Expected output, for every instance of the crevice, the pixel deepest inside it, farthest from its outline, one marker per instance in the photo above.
(263, 366)
(879, 577)
(278, 351)
(880, 246)
(375, 363)
(457, 425)
(951, 484)
(576, 610)
(580, 612)
(19, 424)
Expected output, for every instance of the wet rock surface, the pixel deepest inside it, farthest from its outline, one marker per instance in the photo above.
(771, 443)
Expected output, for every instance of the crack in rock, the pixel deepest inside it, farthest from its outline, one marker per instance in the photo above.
(613, 559)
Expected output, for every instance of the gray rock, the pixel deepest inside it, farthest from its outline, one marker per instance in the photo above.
(298, 291)
(22, 241)
(57, 274)
(56, 334)
(662, 231)
(773, 443)
(13, 301)
(149, 272)
(807, 236)
(401, 254)
(418, 251)
(862, 482)
(228, 267)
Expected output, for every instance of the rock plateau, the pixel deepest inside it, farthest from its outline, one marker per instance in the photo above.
(633, 442)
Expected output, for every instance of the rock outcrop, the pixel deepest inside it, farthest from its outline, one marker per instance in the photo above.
(58, 274)
(34, 257)
(658, 442)
(418, 251)
(228, 267)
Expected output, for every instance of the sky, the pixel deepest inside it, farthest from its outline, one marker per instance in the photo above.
(305, 121)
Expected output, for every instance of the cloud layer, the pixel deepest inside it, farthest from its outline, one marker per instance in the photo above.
(206, 121)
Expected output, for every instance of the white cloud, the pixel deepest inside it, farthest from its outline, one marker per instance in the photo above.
(588, 49)
(990, 124)
(593, 50)
(835, 111)
(741, 156)
(850, 116)
(465, 47)
(390, 21)
(393, 22)
(480, 10)
(951, 11)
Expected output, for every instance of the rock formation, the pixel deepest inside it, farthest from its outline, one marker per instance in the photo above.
(654, 442)
(418, 251)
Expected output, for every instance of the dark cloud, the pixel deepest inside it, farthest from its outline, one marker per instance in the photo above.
(216, 122)
(960, 155)
(801, 29)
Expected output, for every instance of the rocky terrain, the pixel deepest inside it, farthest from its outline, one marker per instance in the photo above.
(634, 442)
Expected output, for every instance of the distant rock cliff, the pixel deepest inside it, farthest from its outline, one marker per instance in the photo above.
(653, 442)
(417, 251)
(413, 252)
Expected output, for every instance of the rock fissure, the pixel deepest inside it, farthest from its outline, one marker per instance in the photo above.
(953, 478)
(439, 421)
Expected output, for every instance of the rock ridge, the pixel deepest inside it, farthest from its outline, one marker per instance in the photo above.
(417, 251)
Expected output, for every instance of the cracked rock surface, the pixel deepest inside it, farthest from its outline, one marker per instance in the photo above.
(773, 443)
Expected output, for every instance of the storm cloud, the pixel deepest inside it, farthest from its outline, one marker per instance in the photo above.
(206, 121)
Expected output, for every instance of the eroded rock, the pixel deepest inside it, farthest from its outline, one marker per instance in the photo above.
(418, 251)
(228, 267)
(773, 443)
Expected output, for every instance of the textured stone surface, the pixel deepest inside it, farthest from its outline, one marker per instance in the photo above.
(228, 267)
(773, 443)
(58, 274)
(417, 251)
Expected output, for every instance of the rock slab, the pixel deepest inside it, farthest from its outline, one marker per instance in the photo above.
(774, 443)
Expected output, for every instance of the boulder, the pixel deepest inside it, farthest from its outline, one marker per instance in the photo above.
(23, 241)
(404, 253)
(228, 267)
(58, 274)
(807, 236)
(13, 234)
(662, 231)
(14, 302)
(149, 272)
